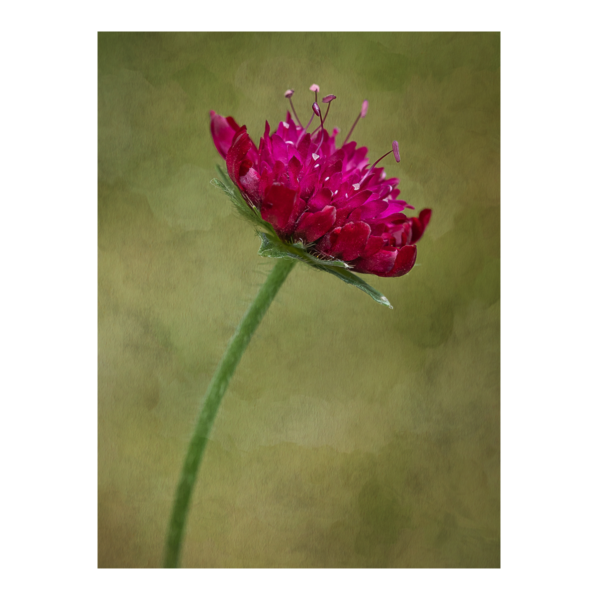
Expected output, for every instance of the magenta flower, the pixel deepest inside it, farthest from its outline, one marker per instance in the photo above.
(323, 198)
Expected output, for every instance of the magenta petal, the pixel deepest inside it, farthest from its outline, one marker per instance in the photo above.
(223, 130)
(419, 224)
(312, 226)
(298, 208)
(264, 147)
(402, 234)
(351, 241)
(321, 199)
(332, 168)
(370, 210)
(425, 217)
(303, 147)
(374, 244)
(326, 244)
(380, 263)
(407, 255)
(251, 183)
(294, 168)
(277, 205)
(308, 184)
(236, 155)
(280, 149)
(353, 201)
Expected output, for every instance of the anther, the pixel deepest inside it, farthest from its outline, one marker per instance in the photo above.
(363, 110)
(362, 115)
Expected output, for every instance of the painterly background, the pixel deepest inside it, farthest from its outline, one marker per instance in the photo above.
(351, 435)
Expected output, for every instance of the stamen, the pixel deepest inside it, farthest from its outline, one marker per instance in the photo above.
(317, 112)
(315, 88)
(396, 152)
(362, 115)
(327, 100)
(289, 95)
(363, 110)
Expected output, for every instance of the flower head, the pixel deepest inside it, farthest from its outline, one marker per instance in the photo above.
(324, 197)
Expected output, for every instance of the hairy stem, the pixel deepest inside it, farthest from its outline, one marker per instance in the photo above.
(211, 404)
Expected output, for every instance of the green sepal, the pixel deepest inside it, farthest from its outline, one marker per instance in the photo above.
(272, 246)
(349, 277)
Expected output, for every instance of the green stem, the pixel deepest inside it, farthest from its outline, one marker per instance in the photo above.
(212, 400)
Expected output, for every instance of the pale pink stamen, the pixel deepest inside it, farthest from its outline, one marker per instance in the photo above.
(362, 115)
(363, 110)
(328, 100)
(316, 89)
(289, 95)
(317, 111)
(396, 152)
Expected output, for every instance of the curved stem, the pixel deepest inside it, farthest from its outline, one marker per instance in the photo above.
(212, 400)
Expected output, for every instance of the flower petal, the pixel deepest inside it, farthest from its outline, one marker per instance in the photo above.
(407, 255)
(277, 205)
(223, 130)
(251, 183)
(328, 241)
(403, 234)
(294, 168)
(380, 263)
(298, 208)
(312, 226)
(237, 153)
(321, 199)
(370, 210)
(374, 244)
(419, 224)
(351, 240)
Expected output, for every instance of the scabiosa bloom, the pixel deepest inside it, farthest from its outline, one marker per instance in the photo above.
(327, 198)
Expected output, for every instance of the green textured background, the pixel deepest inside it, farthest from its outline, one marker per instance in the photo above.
(352, 435)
